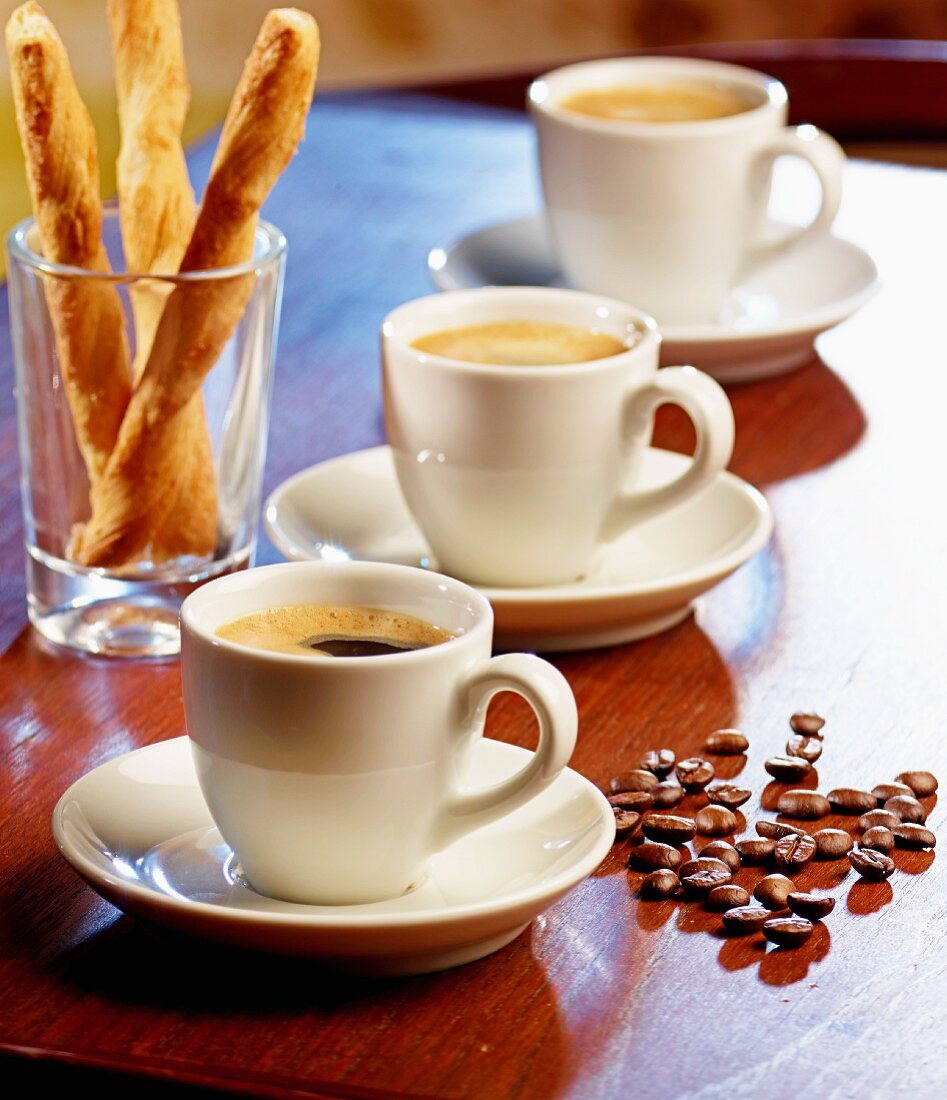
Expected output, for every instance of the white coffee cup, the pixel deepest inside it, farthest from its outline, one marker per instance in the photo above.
(336, 779)
(516, 475)
(670, 215)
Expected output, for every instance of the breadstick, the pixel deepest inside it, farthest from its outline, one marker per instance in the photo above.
(157, 211)
(264, 125)
(63, 175)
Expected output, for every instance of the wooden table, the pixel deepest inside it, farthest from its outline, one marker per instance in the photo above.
(605, 996)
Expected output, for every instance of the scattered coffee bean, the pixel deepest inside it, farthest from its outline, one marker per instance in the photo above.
(715, 821)
(848, 800)
(701, 863)
(802, 804)
(870, 864)
(727, 743)
(922, 783)
(700, 883)
(878, 838)
(694, 773)
(873, 818)
(787, 931)
(804, 745)
(832, 843)
(668, 828)
(907, 809)
(884, 791)
(777, 829)
(728, 896)
(635, 780)
(755, 851)
(910, 835)
(746, 918)
(810, 906)
(794, 851)
(728, 794)
(659, 761)
(662, 883)
(626, 821)
(667, 794)
(788, 769)
(639, 801)
(802, 722)
(773, 890)
(726, 853)
(650, 856)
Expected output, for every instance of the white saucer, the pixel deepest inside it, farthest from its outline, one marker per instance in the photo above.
(768, 326)
(644, 582)
(138, 831)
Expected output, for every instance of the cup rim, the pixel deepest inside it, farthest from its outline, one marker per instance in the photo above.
(648, 327)
(775, 96)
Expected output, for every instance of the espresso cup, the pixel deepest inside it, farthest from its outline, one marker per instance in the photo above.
(335, 780)
(517, 475)
(670, 215)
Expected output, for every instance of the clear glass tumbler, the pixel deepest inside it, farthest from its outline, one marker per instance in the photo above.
(72, 329)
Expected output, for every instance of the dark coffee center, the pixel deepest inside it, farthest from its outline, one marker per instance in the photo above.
(340, 645)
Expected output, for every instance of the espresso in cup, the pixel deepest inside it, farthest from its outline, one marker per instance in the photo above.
(523, 343)
(672, 101)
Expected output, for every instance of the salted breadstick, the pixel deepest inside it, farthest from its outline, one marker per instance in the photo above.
(63, 175)
(157, 211)
(264, 125)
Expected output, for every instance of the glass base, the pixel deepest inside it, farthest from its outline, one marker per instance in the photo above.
(135, 615)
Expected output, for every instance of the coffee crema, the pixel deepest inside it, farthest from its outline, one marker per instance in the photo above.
(522, 344)
(319, 630)
(668, 101)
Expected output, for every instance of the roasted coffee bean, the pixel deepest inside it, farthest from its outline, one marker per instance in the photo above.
(910, 835)
(755, 851)
(870, 864)
(667, 794)
(878, 838)
(907, 809)
(802, 804)
(639, 801)
(727, 743)
(662, 883)
(635, 780)
(804, 745)
(700, 883)
(788, 769)
(848, 800)
(832, 843)
(810, 906)
(728, 896)
(746, 918)
(775, 830)
(659, 761)
(694, 773)
(803, 722)
(728, 794)
(873, 818)
(773, 890)
(794, 851)
(650, 856)
(922, 783)
(668, 828)
(726, 853)
(787, 931)
(701, 863)
(715, 821)
(626, 821)
(884, 791)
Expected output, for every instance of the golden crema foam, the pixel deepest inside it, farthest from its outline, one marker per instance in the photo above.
(522, 344)
(668, 101)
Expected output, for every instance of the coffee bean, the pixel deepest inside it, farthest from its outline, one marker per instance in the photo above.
(777, 829)
(878, 838)
(873, 818)
(810, 906)
(668, 828)
(650, 856)
(773, 890)
(728, 794)
(728, 896)
(662, 883)
(667, 794)
(626, 821)
(803, 722)
(788, 769)
(875, 866)
(755, 851)
(832, 843)
(802, 804)
(658, 761)
(848, 800)
(794, 851)
(700, 883)
(701, 863)
(922, 783)
(636, 780)
(804, 745)
(746, 918)
(727, 743)
(715, 821)
(639, 801)
(787, 931)
(907, 809)
(726, 853)
(884, 791)
(694, 773)
(910, 835)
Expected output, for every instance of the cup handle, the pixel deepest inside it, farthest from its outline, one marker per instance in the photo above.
(828, 160)
(547, 691)
(707, 405)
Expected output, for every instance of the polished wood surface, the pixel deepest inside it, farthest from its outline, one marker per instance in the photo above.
(605, 996)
